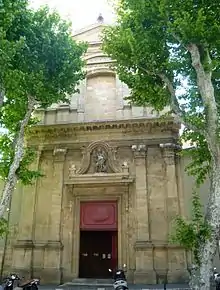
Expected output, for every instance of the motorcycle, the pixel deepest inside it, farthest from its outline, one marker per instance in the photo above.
(120, 282)
(216, 278)
(10, 281)
(31, 284)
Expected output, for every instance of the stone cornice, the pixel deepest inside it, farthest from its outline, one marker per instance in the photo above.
(127, 126)
(143, 245)
(30, 244)
(127, 141)
(100, 178)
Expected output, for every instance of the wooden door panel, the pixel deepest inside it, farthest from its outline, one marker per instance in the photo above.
(95, 254)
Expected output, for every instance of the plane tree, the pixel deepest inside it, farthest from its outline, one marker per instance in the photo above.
(168, 53)
(41, 64)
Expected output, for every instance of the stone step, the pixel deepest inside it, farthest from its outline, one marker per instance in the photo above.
(86, 287)
(88, 281)
(79, 284)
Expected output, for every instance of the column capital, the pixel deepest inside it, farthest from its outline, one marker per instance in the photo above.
(59, 154)
(139, 150)
(169, 152)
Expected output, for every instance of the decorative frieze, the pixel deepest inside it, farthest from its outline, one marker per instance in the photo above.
(67, 131)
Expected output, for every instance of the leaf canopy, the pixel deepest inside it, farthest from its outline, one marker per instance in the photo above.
(39, 59)
(151, 44)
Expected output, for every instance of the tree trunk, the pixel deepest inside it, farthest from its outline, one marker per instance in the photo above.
(19, 152)
(208, 250)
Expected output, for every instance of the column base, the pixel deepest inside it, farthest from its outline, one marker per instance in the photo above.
(47, 275)
(178, 276)
(142, 277)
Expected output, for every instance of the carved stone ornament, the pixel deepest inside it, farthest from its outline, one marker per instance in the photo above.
(72, 170)
(169, 152)
(102, 154)
(139, 150)
(125, 167)
(100, 159)
(59, 154)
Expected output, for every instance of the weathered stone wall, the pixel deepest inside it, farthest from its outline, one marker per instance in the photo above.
(44, 217)
(46, 242)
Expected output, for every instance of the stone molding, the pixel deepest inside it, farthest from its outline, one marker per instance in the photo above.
(143, 245)
(38, 244)
(100, 178)
(68, 130)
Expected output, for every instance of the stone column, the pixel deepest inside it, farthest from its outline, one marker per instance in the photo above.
(22, 208)
(143, 250)
(142, 230)
(176, 255)
(52, 254)
(171, 181)
(119, 98)
(81, 101)
(59, 155)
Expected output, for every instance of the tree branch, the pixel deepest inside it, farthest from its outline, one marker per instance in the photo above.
(206, 89)
(174, 102)
(175, 105)
(19, 152)
(1, 98)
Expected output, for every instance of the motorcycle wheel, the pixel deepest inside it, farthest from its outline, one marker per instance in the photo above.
(34, 287)
(121, 288)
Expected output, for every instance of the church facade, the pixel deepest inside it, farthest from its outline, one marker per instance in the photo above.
(113, 182)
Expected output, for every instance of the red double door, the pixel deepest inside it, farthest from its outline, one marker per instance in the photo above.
(98, 239)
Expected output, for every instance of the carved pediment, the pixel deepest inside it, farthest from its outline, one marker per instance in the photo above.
(98, 157)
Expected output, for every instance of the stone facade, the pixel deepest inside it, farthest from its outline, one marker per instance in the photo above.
(143, 173)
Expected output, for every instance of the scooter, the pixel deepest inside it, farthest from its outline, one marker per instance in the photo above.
(216, 276)
(10, 281)
(31, 284)
(119, 278)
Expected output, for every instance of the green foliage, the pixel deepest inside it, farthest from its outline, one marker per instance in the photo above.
(199, 156)
(151, 44)
(39, 59)
(149, 41)
(3, 227)
(192, 234)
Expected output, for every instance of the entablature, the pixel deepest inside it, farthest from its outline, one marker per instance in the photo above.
(65, 132)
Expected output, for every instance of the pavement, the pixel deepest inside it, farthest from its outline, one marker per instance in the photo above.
(131, 287)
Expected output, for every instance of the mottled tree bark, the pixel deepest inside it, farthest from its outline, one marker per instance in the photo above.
(206, 89)
(19, 152)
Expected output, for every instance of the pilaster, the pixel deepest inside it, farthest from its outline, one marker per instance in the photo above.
(53, 250)
(140, 152)
(176, 256)
(143, 255)
(81, 101)
(25, 225)
(59, 155)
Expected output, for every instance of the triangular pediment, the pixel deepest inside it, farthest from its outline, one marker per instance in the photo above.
(90, 33)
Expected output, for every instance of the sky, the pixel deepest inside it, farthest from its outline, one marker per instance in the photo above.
(81, 12)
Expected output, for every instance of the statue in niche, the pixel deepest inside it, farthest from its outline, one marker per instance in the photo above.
(100, 158)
